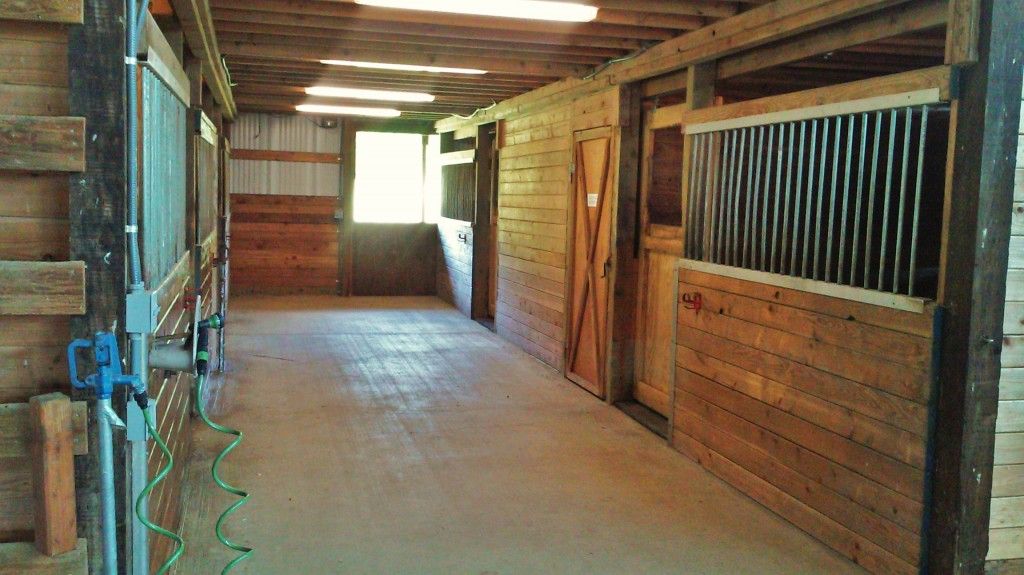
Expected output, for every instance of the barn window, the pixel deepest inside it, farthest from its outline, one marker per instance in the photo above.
(852, 199)
(397, 178)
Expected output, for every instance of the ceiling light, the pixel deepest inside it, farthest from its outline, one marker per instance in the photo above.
(403, 67)
(359, 94)
(527, 9)
(348, 111)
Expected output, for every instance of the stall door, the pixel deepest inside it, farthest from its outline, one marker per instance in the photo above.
(593, 202)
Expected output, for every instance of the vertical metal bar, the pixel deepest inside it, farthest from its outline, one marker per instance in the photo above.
(810, 198)
(723, 180)
(869, 230)
(705, 193)
(744, 261)
(798, 193)
(738, 203)
(690, 196)
(846, 197)
(903, 201)
(832, 198)
(778, 197)
(729, 200)
(917, 197)
(712, 190)
(860, 196)
(754, 260)
(888, 200)
(821, 196)
(785, 202)
(765, 264)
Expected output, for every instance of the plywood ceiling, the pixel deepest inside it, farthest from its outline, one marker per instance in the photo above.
(273, 48)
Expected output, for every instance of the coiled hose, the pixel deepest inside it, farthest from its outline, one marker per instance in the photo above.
(140, 510)
(245, 552)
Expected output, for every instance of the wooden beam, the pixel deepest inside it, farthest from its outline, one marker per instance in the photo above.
(25, 559)
(96, 82)
(346, 232)
(962, 34)
(42, 143)
(283, 156)
(977, 232)
(197, 24)
(42, 288)
(900, 20)
(61, 11)
(460, 157)
(53, 474)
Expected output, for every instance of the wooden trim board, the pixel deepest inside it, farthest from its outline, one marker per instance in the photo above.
(42, 288)
(58, 11)
(42, 143)
(285, 156)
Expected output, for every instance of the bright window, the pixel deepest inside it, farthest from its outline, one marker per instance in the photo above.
(395, 180)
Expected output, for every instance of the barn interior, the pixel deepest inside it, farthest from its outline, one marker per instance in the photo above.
(529, 286)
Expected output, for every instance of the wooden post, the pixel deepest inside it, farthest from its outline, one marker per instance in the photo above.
(978, 232)
(97, 202)
(482, 222)
(53, 474)
(346, 233)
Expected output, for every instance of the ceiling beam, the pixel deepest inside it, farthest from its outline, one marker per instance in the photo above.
(197, 24)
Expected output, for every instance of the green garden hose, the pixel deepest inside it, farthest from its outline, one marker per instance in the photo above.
(140, 510)
(245, 552)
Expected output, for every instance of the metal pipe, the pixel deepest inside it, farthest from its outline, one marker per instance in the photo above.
(754, 261)
(747, 192)
(832, 198)
(846, 197)
(778, 197)
(903, 200)
(737, 202)
(860, 196)
(810, 197)
(917, 197)
(888, 199)
(690, 203)
(786, 202)
(798, 195)
(821, 197)
(108, 508)
(871, 199)
(764, 212)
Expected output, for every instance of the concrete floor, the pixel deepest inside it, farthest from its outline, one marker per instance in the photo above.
(394, 436)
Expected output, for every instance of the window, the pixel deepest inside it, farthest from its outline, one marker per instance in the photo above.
(398, 178)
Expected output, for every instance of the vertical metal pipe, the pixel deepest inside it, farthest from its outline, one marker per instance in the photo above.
(810, 197)
(821, 196)
(745, 259)
(888, 200)
(786, 199)
(730, 180)
(869, 230)
(765, 263)
(754, 260)
(778, 199)
(720, 178)
(108, 508)
(832, 198)
(798, 193)
(846, 197)
(705, 186)
(917, 197)
(860, 196)
(903, 201)
(738, 205)
(688, 221)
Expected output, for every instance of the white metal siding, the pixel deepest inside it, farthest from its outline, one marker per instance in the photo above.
(284, 133)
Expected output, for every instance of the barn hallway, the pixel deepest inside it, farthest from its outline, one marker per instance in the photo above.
(395, 436)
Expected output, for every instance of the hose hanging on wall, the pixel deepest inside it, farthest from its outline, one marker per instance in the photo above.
(139, 503)
(202, 365)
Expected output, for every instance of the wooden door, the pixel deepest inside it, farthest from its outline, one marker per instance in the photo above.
(661, 246)
(591, 265)
(492, 260)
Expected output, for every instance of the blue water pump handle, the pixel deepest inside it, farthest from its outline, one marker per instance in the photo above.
(73, 348)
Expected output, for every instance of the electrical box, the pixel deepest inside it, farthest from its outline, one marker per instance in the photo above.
(142, 310)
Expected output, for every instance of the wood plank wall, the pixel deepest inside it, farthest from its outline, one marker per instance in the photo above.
(455, 264)
(535, 157)
(394, 260)
(816, 407)
(1006, 535)
(283, 244)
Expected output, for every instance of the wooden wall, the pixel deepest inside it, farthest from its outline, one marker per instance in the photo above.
(1006, 535)
(455, 264)
(283, 244)
(816, 407)
(394, 259)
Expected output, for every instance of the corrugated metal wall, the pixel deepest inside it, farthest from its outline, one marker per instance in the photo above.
(163, 178)
(284, 133)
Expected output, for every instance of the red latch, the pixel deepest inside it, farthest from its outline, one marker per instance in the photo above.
(693, 301)
(189, 300)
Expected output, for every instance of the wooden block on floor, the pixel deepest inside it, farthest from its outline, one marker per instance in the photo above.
(62, 11)
(40, 143)
(53, 473)
(42, 288)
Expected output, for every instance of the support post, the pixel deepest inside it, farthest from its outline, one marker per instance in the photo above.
(347, 232)
(97, 204)
(53, 474)
(978, 232)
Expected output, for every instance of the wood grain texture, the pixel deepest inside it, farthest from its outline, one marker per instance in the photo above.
(53, 474)
(455, 264)
(42, 288)
(42, 143)
(841, 452)
(25, 559)
(62, 11)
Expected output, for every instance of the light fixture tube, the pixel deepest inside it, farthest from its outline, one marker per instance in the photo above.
(360, 94)
(402, 67)
(347, 111)
(525, 9)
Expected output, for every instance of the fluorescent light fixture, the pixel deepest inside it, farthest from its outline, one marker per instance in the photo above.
(402, 67)
(359, 94)
(526, 9)
(347, 111)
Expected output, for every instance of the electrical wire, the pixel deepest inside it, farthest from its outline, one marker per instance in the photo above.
(140, 510)
(245, 552)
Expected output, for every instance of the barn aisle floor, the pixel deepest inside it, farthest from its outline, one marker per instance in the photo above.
(393, 436)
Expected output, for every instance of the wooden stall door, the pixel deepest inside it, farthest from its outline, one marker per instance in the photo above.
(593, 203)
